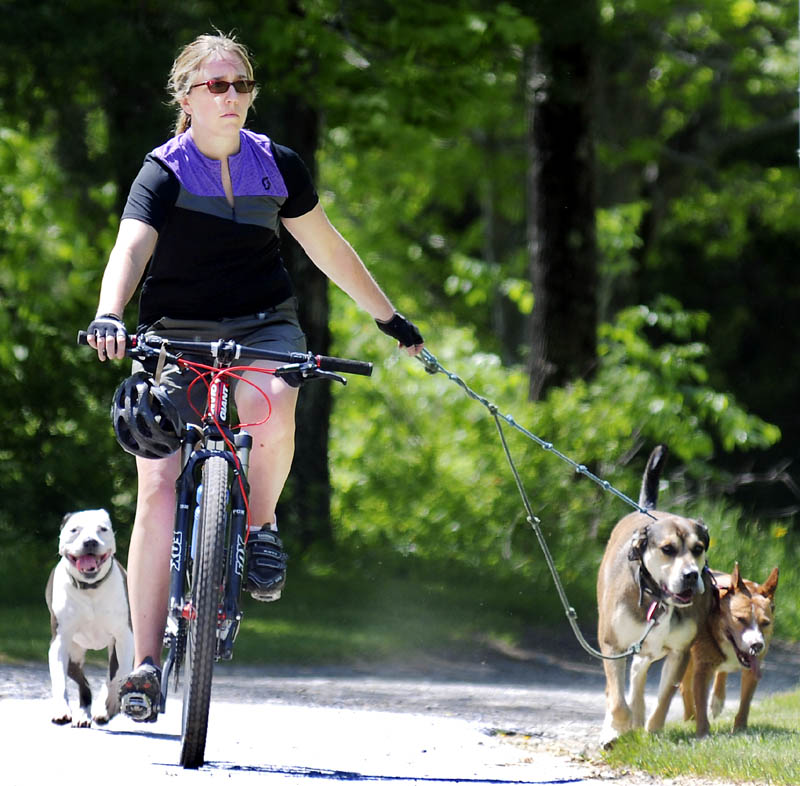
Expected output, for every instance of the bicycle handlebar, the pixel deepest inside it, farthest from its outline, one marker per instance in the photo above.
(142, 346)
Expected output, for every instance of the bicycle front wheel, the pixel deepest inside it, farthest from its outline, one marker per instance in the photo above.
(206, 580)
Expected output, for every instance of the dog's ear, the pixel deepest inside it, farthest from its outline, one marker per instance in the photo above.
(767, 589)
(702, 533)
(638, 544)
(65, 520)
(723, 591)
(737, 582)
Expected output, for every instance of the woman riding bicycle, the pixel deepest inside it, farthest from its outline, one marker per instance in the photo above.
(201, 226)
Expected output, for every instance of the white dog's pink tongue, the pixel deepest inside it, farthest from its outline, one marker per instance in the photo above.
(755, 666)
(87, 563)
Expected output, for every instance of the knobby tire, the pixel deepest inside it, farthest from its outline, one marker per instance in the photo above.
(202, 633)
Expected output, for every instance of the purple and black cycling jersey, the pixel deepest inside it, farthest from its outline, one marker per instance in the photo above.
(213, 260)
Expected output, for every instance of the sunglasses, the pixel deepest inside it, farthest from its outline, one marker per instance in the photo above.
(221, 86)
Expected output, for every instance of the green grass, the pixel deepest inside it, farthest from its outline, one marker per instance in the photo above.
(24, 631)
(768, 752)
(344, 612)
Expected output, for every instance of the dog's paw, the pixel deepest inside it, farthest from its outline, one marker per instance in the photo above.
(101, 718)
(607, 742)
(654, 724)
(702, 730)
(62, 714)
(107, 706)
(608, 736)
(616, 722)
(83, 720)
(716, 705)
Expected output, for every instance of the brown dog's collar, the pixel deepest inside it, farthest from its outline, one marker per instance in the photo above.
(647, 584)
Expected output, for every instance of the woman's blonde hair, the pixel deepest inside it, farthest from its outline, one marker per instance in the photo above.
(189, 61)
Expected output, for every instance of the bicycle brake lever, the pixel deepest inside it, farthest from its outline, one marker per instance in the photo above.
(306, 372)
(329, 374)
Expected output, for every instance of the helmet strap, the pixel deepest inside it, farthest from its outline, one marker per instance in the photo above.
(162, 359)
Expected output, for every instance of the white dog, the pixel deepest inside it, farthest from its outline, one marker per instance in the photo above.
(88, 600)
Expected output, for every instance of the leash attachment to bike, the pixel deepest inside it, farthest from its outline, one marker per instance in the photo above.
(433, 366)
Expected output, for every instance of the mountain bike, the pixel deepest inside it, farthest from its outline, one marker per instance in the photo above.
(207, 561)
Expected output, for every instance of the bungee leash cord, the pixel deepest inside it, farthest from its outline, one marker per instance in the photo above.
(432, 366)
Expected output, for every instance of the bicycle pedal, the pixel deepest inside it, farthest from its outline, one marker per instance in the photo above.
(138, 707)
(267, 596)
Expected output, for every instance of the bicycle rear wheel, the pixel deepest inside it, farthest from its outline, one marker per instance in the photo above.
(206, 583)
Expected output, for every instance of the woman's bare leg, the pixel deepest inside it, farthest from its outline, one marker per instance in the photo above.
(148, 556)
(273, 441)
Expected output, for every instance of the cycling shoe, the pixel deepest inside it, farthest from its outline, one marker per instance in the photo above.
(266, 565)
(140, 694)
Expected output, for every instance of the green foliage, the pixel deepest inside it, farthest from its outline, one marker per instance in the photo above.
(418, 467)
(708, 148)
(422, 162)
(740, 239)
(423, 167)
(617, 242)
(766, 545)
(666, 386)
(710, 70)
(56, 453)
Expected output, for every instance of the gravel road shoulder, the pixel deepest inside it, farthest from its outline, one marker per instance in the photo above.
(545, 699)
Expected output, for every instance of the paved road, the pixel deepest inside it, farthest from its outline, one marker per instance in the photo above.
(528, 719)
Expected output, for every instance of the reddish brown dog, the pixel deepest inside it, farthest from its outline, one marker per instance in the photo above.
(735, 637)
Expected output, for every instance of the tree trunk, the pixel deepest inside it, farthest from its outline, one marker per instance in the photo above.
(561, 200)
(304, 508)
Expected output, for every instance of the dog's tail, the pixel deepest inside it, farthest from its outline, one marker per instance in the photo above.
(648, 496)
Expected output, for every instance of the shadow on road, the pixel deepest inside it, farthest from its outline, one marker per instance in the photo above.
(345, 775)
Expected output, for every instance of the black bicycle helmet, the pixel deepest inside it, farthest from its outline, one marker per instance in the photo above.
(145, 421)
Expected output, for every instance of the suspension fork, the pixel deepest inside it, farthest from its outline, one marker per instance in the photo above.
(174, 636)
(231, 614)
(185, 488)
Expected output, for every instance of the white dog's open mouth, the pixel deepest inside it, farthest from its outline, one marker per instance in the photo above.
(88, 564)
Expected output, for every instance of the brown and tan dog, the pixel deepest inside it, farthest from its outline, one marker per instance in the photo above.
(736, 637)
(653, 569)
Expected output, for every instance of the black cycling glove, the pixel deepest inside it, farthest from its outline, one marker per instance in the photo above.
(108, 325)
(403, 330)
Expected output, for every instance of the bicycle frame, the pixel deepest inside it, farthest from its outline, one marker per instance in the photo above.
(214, 439)
(219, 454)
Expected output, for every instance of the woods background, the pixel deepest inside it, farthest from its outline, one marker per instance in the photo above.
(590, 208)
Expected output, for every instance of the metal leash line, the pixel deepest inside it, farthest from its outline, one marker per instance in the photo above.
(432, 366)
